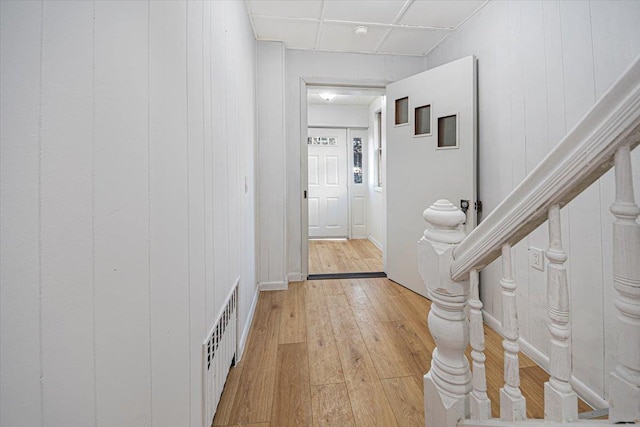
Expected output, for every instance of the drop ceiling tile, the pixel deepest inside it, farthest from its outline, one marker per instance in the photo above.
(287, 9)
(341, 37)
(412, 41)
(439, 13)
(295, 34)
(363, 10)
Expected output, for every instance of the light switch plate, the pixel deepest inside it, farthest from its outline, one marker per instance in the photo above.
(536, 258)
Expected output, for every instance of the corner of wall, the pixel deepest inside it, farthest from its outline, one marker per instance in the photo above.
(247, 326)
(273, 286)
(295, 277)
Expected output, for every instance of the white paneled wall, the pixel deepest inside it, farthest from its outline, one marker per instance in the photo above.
(65, 195)
(315, 66)
(20, 321)
(541, 65)
(168, 211)
(127, 204)
(272, 159)
(338, 116)
(121, 213)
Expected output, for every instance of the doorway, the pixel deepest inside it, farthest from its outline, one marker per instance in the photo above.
(327, 185)
(430, 121)
(340, 180)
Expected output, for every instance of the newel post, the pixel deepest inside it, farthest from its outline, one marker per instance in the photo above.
(448, 383)
(624, 394)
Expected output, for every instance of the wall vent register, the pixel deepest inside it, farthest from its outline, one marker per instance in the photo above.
(218, 355)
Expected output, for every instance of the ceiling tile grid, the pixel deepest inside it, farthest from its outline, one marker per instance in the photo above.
(286, 8)
(341, 37)
(381, 12)
(282, 29)
(412, 41)
(446, 14)
(402, 27)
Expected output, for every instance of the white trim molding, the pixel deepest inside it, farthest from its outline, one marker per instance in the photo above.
(273, 286)
(375, 242)
(295, 277)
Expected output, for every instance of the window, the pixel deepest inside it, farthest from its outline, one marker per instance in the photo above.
(448, 132)
(402, 111)
(357, 160)
(422, 120)
(378, 142)
(322, 140)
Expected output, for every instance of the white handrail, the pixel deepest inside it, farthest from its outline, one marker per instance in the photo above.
(448, 263)
(582, 157)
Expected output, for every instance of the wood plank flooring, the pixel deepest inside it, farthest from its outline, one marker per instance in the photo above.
(347, 353)
(343, 256)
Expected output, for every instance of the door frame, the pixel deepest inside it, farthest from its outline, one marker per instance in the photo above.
(304, 131)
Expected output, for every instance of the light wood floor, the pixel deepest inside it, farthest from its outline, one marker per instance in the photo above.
(344, 256)
(344, 353)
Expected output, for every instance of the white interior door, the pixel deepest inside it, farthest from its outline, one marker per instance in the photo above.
(430, 155)
(327, 184)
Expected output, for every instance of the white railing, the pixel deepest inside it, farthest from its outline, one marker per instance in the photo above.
(449, 264)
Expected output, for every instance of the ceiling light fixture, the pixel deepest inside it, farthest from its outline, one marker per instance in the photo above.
(361, 30)
(327, 96)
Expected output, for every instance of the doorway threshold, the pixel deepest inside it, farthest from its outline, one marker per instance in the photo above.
(362, 275)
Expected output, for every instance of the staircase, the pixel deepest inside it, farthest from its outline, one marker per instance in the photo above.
(449, 263)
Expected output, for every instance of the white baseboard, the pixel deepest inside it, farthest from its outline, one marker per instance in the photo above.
(295, 277)
(375, 242)
(592, 398)
(493, 323)
(247, 326)
(272, 286)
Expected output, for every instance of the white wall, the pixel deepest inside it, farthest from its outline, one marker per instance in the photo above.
(272, 158)
(541, 65)
(127, 131)
(339, 116)
(377, 210)
(362, 69)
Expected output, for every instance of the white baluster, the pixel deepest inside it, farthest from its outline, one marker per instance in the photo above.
(513, 406)
(625, 380)
(560, 402)
(480, 404)
(448, 382)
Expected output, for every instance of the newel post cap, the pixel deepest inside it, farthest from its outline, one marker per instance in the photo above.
(445, 220)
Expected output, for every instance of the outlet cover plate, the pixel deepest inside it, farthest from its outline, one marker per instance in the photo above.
(536, 258)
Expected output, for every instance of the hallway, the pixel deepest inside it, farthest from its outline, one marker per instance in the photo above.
(343, 256)
(347, 352)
